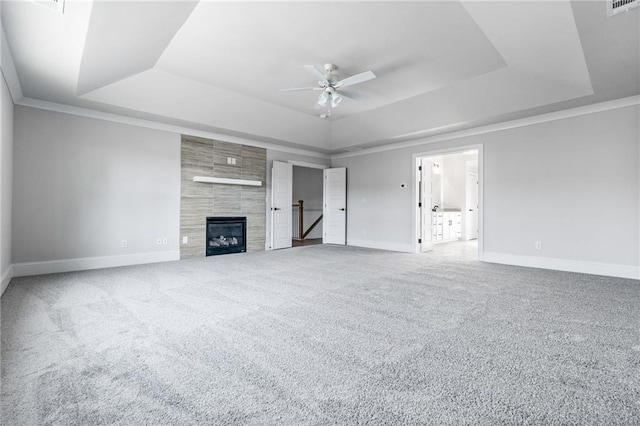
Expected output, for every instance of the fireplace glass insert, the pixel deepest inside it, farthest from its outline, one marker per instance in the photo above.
(226, 235)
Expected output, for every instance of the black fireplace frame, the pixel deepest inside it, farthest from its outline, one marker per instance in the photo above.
(214, 251)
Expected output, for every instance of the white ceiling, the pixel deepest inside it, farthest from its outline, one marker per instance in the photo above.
(219, 66)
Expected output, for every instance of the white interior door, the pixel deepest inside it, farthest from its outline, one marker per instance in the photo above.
(335, 204)
(281, 199)
(471, 201)
(426, 203)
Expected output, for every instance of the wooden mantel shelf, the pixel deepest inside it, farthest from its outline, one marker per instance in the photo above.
(227, 181)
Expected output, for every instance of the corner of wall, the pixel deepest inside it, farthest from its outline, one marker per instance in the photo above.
(8, 68)
(6, 279)
(11, 92)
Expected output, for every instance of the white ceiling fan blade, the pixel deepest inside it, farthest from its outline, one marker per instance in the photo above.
(317, 74)
(300, 89)
(355, 79)
(353, 95)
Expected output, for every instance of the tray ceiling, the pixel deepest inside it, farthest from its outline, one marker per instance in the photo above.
(220, 66)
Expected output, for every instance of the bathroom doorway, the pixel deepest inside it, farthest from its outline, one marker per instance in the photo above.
(448, 195)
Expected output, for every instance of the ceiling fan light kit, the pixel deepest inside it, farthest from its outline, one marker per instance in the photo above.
(324, 97)
(335, 100)
(331, 88)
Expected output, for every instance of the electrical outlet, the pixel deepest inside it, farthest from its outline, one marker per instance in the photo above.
(124, 244)
(158, 241)
(538, 245)
(185, 239)
(165, 240)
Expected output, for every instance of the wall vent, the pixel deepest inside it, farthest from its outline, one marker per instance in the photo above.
(618, 6)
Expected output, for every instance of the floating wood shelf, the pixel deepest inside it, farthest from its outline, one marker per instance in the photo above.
(227, 181)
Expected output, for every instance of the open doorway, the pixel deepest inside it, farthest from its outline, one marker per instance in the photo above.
(448, 193)
(280, 214)
(307, 206)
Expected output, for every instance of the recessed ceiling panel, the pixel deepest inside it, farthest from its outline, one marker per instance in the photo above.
(46, 46)
(219, 66)
(545, 65)
(121, 42)
(259, 48)
(163, 94)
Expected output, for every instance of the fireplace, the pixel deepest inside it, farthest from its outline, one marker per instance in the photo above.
(226, 235)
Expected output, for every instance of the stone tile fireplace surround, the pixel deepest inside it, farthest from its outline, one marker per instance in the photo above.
(206, 157)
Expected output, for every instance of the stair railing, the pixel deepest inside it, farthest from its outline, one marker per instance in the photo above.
(298, 221)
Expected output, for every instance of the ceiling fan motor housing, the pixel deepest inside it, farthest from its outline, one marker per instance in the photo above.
(329, 69)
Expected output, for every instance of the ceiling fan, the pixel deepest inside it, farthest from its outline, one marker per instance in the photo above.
(332, 88)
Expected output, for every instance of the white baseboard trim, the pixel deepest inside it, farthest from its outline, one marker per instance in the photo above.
(381, 245)
(6, 279)
(85, 263)
(594, 268)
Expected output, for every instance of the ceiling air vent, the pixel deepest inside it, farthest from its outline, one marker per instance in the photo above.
(57, 5)
(618, 6)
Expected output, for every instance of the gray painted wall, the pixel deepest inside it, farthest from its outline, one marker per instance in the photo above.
(6, 182)
(307, 186)
(572, 184)
(454, 179)
(82, 185)
(378, 207)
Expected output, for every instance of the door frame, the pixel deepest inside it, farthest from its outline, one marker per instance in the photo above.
(269, 200)
(327, 212)
(415, 211)
(424, 246)
(286, 211)
(470, 174)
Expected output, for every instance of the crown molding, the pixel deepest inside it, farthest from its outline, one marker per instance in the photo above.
(506, 125)
(121, 119)
(8, 68)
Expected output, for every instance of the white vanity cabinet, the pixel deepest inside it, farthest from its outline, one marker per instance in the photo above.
(447, 225)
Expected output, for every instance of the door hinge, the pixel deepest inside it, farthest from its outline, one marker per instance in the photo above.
(419, 204)
(419, 240)
(419, 168)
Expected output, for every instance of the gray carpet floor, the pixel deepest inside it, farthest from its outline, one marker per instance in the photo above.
(321, 335)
